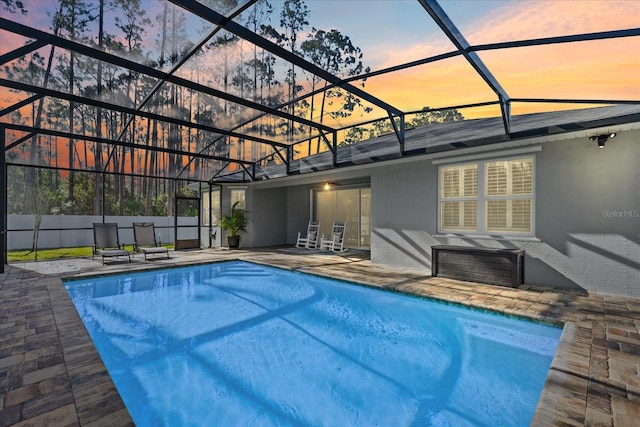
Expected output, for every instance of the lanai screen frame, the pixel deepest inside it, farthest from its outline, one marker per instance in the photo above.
(251, 170)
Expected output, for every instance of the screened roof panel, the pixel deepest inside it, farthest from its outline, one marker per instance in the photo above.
(579, 70)
(338, 108)
(386, 32)
(201, 169)
(494, 21)
(439, 84)
(221, 88)
(228, 63)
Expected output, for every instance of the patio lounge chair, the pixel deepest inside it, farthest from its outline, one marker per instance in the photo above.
(106, 242)
(144, 234)
(309, 240)
(335, 241)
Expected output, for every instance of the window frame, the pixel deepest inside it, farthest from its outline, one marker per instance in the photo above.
(482, 198)
(234, 196)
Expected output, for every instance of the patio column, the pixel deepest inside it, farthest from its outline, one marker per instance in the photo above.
(3, 200)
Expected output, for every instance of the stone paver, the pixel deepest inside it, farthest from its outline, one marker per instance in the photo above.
(52, 375)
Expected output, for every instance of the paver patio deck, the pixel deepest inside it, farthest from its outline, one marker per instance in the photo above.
(52, 375)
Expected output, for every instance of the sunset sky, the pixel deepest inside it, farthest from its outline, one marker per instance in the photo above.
(398, 31)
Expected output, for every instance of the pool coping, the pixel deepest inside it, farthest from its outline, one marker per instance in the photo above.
(594, 377)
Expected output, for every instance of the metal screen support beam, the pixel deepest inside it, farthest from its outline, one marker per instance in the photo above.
(108, 106)
(210, 219)
(505, 109)
(20, 141)
(103, 56)
(330, 145)
(194, 49)
(219, 172)
(3, 200)
(137, 146)
(19, 105)
(283, 158)
(21, 51)
(175, 213)
(288, 152)
(399, 130)
(440, 17)
(103, 203)
(251, 172)
(214, 17)
(335, 148)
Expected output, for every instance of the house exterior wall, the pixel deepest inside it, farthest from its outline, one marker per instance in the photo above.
(298, 213)
(587, 216)
(403, 214)
(269, 217)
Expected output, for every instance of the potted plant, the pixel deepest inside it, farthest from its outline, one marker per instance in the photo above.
(234, 224)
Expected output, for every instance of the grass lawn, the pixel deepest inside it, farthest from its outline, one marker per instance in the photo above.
(27, 255)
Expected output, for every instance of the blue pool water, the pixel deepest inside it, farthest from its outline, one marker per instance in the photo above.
(237, 344)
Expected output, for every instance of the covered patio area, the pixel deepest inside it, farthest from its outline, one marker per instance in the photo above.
(51, 373)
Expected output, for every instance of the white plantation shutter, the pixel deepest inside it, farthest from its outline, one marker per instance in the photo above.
(521, 215)
(522, 177)
(470, 182)
(451, 179)
(487, 197)
(509, 196)
(451, 214)
(458, 197)
(496, 178)
(470, 218)
(496, 215)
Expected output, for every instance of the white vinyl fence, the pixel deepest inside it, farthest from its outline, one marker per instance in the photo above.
(68, 231)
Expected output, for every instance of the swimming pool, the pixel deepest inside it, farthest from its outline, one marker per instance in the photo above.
(240, 344)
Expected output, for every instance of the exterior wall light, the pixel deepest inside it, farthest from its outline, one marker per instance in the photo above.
(602, 138)
(328, 185)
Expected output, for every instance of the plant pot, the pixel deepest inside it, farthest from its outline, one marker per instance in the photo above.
(233, 242)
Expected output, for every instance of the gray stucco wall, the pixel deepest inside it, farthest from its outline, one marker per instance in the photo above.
(298, 202)
(586, 218)
(403, 206)
(268, 217)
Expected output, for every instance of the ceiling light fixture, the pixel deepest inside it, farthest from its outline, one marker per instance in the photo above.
(602, 138)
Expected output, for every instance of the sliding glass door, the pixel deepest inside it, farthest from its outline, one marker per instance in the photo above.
(352, 205)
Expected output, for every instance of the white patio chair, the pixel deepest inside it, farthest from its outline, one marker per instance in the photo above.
(309, 240)
(106, 242)
(335, 241)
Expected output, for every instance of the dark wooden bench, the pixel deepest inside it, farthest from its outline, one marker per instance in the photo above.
(182, 244)
(484, 265)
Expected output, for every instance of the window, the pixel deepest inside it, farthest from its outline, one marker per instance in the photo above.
(238, 195)
(487, 197)
(210, 207)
